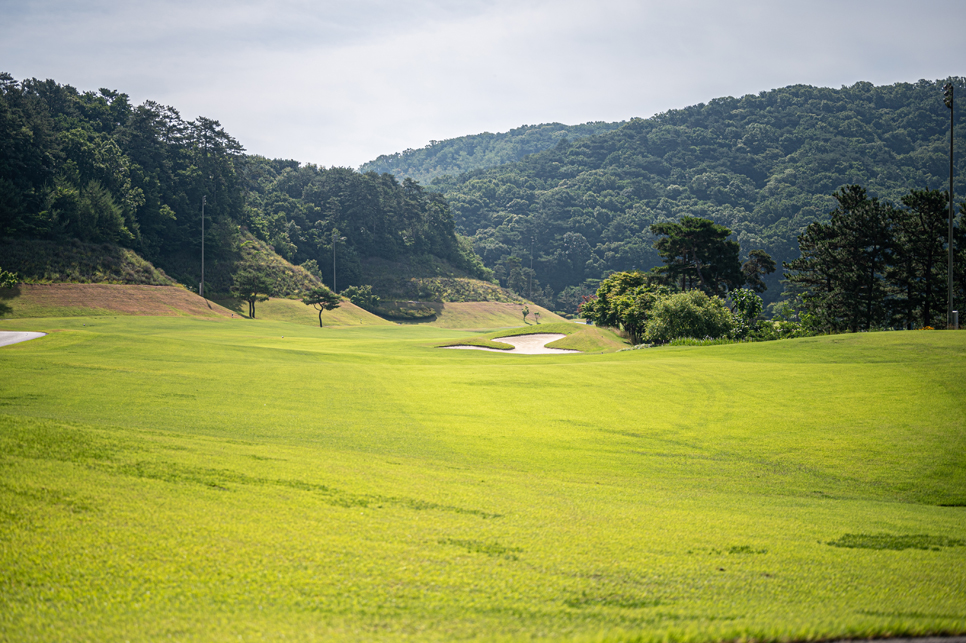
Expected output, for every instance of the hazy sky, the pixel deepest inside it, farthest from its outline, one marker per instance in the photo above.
(339, 83)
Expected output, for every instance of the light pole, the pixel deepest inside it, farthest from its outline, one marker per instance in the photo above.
(335, 239)
(948, 99)
(530, 285)
(201, 286)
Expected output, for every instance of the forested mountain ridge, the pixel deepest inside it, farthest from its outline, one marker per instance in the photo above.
(92, 168)
(763, 165)
(479, 151)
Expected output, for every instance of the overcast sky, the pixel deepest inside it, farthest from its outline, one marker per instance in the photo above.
(339, 83)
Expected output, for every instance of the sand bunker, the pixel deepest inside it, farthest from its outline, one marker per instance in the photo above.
(535, 344)
(15, 337)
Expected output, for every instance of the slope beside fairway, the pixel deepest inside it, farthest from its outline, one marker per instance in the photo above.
(481, 315)
(81, 300)
(295, 312)
(225, 479)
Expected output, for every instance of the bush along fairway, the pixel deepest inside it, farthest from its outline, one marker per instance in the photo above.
(224, 479)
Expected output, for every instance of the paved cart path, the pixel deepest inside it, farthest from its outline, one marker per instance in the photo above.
(13, 337)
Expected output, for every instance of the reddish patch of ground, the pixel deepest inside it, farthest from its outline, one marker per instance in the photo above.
(123, 299)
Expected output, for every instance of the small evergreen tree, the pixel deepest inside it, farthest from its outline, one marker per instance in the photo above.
(251, 286)
(322, 299)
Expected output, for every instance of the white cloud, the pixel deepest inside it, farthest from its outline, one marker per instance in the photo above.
(338, 83)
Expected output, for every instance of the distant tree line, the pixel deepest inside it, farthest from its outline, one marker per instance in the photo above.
(686, 296)
(762, 165)
(875, 264)
(90, 166)
(459, 155)
(872, 265)
(309, 214)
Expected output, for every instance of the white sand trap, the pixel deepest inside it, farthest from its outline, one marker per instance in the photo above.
(11, 337)
(535, 344)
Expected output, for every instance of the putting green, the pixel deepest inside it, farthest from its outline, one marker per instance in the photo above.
(220, 479)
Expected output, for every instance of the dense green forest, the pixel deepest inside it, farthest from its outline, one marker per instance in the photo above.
(875, 265)
(763, 165)
(90, 168)
(458, 155)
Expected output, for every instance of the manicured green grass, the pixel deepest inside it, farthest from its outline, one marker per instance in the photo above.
(207, 480)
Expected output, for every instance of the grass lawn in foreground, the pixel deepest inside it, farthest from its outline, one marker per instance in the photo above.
(229, 479)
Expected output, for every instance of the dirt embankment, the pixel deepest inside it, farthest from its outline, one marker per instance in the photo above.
(72, 300)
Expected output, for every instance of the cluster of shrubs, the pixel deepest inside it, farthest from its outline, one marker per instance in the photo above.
(651, 313)
(694, 318)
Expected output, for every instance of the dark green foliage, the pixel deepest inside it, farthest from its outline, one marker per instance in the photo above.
(688, 314)
(362, 296)
(875, 265)
(409, 310)
(91, 167)
(840, 271)
(625, 300)
(304, 210)
(762, 165)
(780, 329)
(321, 299)
(698, 254)
(251, 285)
(746, 306)
(459, 155)
(74, 261)
(756, 268)
(919, 268)
(8, 279)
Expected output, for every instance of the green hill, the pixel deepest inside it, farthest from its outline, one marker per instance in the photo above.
(82, 167)
(763, 165)
(466, 153)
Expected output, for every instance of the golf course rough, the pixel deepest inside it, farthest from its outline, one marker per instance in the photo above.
(222, 479)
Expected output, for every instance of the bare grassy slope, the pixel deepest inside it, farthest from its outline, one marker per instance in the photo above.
(294, 311)
(487, 314)
(78, 262)
(73, 300)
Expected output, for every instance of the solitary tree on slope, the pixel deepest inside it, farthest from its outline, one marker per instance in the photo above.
(322, 299)
(251, 286)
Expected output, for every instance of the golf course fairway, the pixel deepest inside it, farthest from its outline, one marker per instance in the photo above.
(178, 478)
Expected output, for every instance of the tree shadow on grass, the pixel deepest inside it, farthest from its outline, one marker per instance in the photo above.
(7, 294)
(237, 306)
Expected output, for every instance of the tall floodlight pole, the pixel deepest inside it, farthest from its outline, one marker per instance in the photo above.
(335, 239)
(201, 286)
(530, 285)
(948, 99)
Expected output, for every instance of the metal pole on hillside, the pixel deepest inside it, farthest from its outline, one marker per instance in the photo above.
(530, 285)
(948, 99)
(201, 286)
(335, 239)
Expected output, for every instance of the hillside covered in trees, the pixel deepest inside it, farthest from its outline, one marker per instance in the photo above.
(478, 151)
(763, 165)
(89, 168)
